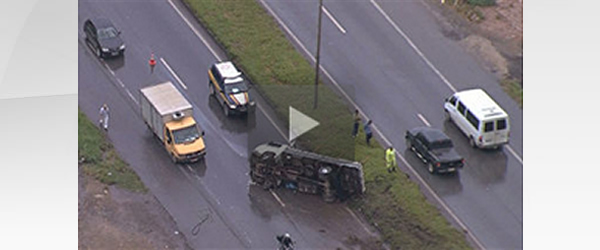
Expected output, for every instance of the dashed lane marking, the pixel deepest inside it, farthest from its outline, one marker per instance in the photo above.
(277, 198)
(423, 120)
(335, 22)
(173, 73)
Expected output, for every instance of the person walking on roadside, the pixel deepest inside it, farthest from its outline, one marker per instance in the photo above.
(390, 159)
(356, 123)
(104, 112)
(368, 132)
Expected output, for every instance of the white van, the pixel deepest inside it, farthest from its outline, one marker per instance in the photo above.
(479, 117)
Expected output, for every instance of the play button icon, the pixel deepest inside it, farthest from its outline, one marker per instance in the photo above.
(299, 124)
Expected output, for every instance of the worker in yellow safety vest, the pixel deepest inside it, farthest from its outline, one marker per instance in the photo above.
(390, 159)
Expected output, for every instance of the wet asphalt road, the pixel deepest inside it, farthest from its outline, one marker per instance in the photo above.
(212, 202)
(393, 85)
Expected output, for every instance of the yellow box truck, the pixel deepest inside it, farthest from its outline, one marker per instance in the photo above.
(171, 117)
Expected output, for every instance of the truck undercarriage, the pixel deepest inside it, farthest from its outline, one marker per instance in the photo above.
(275, 165)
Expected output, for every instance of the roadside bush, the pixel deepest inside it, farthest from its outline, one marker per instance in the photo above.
(482, 2)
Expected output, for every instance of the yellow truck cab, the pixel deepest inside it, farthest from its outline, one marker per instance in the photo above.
(170, 116)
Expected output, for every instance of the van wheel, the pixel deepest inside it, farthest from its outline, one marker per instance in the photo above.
(211, 89)
(447, 116)
(472, 142)
(430, 168)
(225, 109)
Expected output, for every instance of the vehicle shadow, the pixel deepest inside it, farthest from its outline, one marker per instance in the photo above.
(487, 166)
(115, 63)
(238, 123)
(198, 168)
(444, 184)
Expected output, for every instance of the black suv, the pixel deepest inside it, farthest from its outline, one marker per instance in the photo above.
(435, 149)
(228, 85)
(103, 37)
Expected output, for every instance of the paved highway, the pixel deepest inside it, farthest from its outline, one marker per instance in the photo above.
(394, 62)
(212, 202)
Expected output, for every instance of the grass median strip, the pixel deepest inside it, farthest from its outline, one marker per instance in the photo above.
(255, 43)
(99, 159)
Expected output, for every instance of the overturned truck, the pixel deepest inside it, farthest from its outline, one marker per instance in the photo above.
(275, 165)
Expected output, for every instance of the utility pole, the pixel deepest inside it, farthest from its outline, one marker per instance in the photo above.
(318, 54)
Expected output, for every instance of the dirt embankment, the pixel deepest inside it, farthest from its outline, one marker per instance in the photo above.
(112, 218)
(494, 34)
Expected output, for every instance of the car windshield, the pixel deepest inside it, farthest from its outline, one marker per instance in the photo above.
(109, 32)
(237, 87)
(441, 144)
(186, 135)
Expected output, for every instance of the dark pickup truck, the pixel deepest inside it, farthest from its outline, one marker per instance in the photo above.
(435, 149)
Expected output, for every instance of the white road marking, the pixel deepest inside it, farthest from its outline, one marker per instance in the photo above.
(173, 73)
(337, 24)
(119, 81)
(277, 198)
(423, 120)
(359, 221)
(410, 42)
(514, 154)
(131, 96)
(194, 30)
(427, 187)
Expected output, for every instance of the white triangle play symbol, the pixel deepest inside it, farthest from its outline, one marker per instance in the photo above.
(299, 124)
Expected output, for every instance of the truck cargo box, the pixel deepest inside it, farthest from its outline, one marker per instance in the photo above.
(162, 103)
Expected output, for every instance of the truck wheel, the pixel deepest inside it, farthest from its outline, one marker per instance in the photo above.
(430, 168)
(174, 159)
(225, 109)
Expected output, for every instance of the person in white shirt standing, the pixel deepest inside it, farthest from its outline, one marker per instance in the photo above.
(104, 112)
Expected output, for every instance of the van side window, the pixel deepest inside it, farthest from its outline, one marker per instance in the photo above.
(488, 126)
(472, 119)
(461, 108)
(501, 124)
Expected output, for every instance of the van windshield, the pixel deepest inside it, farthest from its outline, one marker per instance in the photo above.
(186, 135)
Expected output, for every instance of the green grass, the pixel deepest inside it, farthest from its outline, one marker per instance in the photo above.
(467, 9)
(102, 161)
(255, 43)
(514, 89)
(482, 2)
